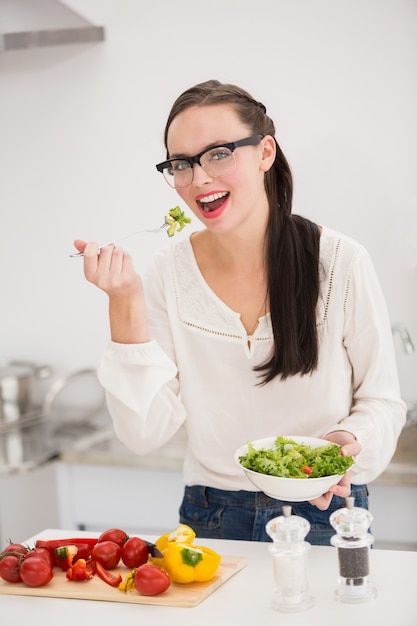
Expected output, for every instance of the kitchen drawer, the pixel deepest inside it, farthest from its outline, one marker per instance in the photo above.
(97, 497)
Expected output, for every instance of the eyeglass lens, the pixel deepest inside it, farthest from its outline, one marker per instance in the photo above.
(216, 162)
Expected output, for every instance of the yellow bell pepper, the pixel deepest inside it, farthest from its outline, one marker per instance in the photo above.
(182, 534)
(186, 563)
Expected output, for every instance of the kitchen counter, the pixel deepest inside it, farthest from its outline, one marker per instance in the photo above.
(103, 448)
(245, 598)
(403, 467)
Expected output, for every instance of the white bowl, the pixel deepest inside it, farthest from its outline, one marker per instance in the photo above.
(288, 489)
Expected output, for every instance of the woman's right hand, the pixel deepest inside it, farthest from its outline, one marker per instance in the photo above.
(112, 271)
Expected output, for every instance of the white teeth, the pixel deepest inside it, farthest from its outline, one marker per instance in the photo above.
(214, 196)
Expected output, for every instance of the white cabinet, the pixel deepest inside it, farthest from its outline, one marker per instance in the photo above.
(28, 503)
(394, 508)
(138, 500)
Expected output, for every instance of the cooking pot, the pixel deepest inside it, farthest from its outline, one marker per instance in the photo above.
(17, 380)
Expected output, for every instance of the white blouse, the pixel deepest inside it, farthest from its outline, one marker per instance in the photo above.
(198, 370)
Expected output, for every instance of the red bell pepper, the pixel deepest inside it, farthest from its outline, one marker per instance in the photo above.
(64, 556)
(81, 570)
(52, 544)
(108, 577)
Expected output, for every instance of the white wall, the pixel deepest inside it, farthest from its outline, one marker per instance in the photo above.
(81, 129)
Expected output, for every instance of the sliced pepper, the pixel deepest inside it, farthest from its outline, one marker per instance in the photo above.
(64, 556)
(128, 581)
(81, 570)
(108, 577)
(186, 563)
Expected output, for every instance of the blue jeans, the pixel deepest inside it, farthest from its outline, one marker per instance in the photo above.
(242, 515)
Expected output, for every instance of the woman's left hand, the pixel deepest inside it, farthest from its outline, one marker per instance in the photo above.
(349, 447)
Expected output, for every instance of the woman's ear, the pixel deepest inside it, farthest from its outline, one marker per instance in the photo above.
(269, 150)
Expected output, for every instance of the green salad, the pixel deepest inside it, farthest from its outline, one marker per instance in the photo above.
(295, 460)
(176, 220)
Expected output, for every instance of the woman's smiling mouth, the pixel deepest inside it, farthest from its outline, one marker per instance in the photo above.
(213, 201)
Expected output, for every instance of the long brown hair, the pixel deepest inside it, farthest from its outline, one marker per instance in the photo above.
(291, 241)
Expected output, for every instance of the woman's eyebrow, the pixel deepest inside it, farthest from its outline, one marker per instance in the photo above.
(213, 144)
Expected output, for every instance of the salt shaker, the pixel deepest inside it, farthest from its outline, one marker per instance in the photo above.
(289, 557)
(352, 542)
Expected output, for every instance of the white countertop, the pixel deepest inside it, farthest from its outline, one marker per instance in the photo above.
(245, 599)
(104, 448)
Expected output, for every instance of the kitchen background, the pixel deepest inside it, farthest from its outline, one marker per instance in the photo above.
(80, 131)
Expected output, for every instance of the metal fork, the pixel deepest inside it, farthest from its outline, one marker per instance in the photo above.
(160, 229)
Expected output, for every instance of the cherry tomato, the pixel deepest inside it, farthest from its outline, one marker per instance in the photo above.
(107, 553)
(114, 534)
(9, 568)
(35, 571)
(135, 552)
(16, 547)
(43, 553)
(150, 580)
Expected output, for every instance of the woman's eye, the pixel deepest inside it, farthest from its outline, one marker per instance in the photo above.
(179, 166)
(219, 154)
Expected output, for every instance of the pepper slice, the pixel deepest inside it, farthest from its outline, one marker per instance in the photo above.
(128, 581)
(108, 577)
(81, 570)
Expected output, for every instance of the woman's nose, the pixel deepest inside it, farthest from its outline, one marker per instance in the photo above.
(201, 175)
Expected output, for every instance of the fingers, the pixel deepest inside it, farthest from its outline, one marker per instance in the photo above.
(323, 502)
(111, 270)
(342, 489)
(349, 446)
(80, 244)
(351, 449)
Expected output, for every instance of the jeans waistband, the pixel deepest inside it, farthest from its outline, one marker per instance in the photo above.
(204, 495)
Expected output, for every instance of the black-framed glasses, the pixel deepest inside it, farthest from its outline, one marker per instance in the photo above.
(217, 161)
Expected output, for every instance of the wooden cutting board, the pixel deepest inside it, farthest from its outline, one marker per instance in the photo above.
(188, 595)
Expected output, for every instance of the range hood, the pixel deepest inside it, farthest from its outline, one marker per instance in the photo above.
(38, 23)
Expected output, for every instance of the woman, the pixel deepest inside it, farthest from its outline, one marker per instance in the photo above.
(262, 323)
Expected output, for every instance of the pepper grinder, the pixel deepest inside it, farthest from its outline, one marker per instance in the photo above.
(289, 558)
(352, 542)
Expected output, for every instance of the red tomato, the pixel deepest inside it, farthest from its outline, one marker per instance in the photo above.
(43, 553)
(16, 547)
(107, 553)
(150, 580)
(114, 534)
(9, 568)
(35, 571)
(135, 552)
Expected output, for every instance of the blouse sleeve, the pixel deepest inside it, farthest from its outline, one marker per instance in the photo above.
(378, 413)
(141, 383)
